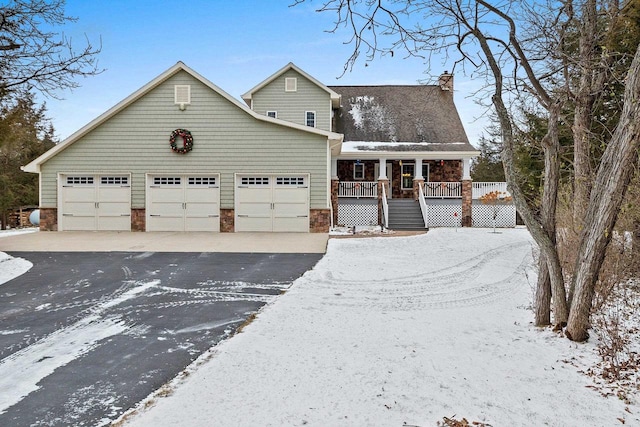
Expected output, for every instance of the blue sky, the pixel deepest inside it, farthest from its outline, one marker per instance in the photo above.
(234, 43)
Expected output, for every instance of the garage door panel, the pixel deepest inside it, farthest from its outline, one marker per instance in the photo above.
(290, 195)
(204, 223)
(95, 202)
(291, 224)
(272, 203)
(78, 222)
(183, 203)
(114, 223)
(245, 223)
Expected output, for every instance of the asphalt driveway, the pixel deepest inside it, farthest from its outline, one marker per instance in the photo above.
(85, 336)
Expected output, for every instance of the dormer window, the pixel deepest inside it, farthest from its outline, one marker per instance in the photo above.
(310, 118)
(182, 94)
(272, 114)
(290, 84)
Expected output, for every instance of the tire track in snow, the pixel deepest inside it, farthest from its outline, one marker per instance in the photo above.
(21, 372)
(468, 283)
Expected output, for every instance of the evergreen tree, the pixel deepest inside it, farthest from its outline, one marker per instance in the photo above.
(25, 133)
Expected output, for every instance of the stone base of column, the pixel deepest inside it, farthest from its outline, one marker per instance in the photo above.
(467, 220)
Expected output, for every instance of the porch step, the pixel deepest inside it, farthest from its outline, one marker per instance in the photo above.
(405, 214)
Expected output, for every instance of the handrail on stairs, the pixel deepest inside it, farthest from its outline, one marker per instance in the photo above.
(423, 206)
(385, 208)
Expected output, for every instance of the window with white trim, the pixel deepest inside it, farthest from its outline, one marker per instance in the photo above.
(114, 180)
(310, 118)
(254, 180)
(182, 94)
(166, 180)
(358, 170)
(272, 114)
(290, 84)
(79, 180)
(425, 171)
(201, 181)
(290, 180)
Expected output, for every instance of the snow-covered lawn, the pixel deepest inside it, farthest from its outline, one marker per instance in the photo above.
(397, 331)
(11, 267)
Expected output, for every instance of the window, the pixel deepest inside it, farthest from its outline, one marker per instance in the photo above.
(79, 180)
(255, 180)
(182, 94)
(166, 180)
(273, 114)
(290, 180)
(114, 180)
(425, 171)
(310, 118)
(358, 170)
(290, 84)
(197, 181)
(408, 172)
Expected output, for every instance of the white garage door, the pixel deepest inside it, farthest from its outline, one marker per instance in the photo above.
(94, 202)
(272, 203)
(183, 203)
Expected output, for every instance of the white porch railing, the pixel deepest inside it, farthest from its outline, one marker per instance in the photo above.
(482, 188)
(385, 209)
(423, 207)
(358, 189)
(443, 190)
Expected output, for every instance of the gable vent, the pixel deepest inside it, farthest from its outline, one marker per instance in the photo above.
(182, 94)
(290, 84)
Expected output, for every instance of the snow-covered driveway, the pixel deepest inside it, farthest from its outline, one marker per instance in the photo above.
(397, 331)
(85, 336)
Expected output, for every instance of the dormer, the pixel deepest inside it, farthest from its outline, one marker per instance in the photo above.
(293, 95)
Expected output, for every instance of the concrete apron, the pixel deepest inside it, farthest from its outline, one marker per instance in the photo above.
(115, 241)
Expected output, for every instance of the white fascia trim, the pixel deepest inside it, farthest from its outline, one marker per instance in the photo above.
(409, 155)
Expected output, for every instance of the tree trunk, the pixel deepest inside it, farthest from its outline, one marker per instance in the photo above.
(551, 146)
(539, 234)
(584, 99)
(614, 174)
(542, 303)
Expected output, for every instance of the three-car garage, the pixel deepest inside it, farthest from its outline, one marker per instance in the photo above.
(184, 202)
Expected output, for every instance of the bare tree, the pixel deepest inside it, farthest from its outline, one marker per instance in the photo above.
(489, 37)
(33, 54)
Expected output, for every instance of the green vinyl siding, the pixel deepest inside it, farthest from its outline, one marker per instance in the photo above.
(227, 140)
(291, 106)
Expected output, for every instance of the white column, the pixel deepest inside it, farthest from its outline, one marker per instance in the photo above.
(417, 173)
(466, 169)
(334, 168)
(382, 169)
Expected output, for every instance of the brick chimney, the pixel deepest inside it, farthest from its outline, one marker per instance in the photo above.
(446, 81)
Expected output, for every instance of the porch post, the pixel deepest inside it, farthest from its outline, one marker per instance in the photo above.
(335, 184)
(418, 179)
(382, 168)
(467, 190)
(382, 182)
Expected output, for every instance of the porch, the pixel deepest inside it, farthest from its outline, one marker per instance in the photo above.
(439, 204)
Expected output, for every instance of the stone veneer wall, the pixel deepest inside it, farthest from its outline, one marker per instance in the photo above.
(467, 220)
(335, 184)
(48, 219)
(227, 220)
(138, 220)
(320, 220)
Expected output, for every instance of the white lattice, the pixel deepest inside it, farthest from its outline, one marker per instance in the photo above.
(483, 215)
(350, 215)
(445, 215)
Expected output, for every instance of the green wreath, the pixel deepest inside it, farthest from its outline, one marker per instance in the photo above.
(187, 141)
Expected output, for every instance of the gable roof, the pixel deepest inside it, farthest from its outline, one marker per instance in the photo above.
(335, 97)
(419, 115)
(335, 139)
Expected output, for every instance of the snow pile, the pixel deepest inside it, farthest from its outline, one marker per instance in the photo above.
(398, 331)
(11, 267)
